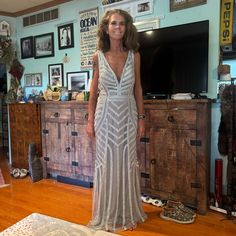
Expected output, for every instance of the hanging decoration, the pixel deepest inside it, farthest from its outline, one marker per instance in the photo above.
(6, 47)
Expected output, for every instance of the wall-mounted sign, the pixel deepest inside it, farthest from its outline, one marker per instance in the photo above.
(88, 37)
(226, 22)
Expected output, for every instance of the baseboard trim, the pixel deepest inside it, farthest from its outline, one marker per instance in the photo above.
(77, 182)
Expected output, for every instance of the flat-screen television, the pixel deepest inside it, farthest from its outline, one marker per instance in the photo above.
(175, 59)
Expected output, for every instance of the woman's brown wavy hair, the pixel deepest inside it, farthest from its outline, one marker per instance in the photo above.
(130, 39)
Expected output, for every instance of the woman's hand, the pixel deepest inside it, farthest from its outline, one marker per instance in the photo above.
(90, 129)
(141, 128)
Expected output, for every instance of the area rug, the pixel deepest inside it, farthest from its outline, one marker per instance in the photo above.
(2, 182)
(40, 225)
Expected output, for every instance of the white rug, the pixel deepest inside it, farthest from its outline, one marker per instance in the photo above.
(40, 225)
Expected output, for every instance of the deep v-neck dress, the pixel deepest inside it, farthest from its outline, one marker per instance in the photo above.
(116, 193)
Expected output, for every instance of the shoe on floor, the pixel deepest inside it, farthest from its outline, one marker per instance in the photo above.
(19, 173)
(150, 200)
(23, 173)
(15, 173)
(181, 206)
(176, 215)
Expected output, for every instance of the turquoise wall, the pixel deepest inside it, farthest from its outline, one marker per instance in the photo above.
(69, 12)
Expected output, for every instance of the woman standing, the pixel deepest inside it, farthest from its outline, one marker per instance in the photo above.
(116, 116)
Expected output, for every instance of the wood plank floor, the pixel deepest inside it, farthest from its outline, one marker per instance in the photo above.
(73, 203)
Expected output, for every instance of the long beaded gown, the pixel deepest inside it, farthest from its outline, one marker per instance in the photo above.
(116, 193)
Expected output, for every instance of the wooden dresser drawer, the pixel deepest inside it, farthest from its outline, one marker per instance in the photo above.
(176, 118)
(58, 114)
(81, 115)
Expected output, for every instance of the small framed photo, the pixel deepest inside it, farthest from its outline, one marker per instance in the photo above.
(44, 45)
(77, 81)
(143, 7)
(33, 80)
(129, 7)
(26, 46)
(55, 74)
(179, 5)
(65, 36)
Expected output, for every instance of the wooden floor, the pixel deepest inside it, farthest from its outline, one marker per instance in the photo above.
(73, 203)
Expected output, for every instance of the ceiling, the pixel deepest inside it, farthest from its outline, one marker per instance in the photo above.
(17, 8)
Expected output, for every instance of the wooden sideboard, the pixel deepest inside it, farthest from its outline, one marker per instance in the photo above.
(174, 155)
(25, 128)
(68, 152)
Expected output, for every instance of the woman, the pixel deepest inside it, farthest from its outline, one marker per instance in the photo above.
(116, 116)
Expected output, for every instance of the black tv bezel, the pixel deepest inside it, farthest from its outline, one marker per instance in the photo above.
(183, 31)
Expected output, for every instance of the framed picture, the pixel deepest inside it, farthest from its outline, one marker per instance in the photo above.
(26, 46)
(126, 6)
(77, 81)
(33, 80)
(44, 45)
(143, 7)
(176, 5)
(65, 36)
(55, 74)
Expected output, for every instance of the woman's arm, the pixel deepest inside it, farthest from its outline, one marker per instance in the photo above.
(138, 93)
(93, 95)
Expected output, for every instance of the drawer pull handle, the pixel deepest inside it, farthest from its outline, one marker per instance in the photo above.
(153, 161)
(56, 114)
(68, 149)
(171, 119)
(86, 116)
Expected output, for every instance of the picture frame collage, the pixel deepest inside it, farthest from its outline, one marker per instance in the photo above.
(41, 46)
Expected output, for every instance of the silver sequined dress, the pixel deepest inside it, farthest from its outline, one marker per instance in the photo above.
(116, 193)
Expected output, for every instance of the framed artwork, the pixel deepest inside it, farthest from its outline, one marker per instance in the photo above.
(176, 5)
(44, 45)
(65, 36)
(107, 2)
(33, 80)
(126, 6)
(26, 46)
(143, 7)
(55, 74)
(77, 81)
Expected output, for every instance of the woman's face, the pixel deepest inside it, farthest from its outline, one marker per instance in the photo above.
(116, 27)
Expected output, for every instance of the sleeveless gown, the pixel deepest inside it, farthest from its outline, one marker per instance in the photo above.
(116, 193)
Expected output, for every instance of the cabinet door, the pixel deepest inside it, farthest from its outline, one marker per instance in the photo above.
(24, 129)
(84, 147)
(58, 150)
(173, 163)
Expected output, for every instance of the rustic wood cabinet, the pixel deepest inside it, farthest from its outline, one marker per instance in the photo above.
(175, 152)
(25, 128)
(174, 155)
(68, 152)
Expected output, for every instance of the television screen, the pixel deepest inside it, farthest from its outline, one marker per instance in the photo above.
(175, 59)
